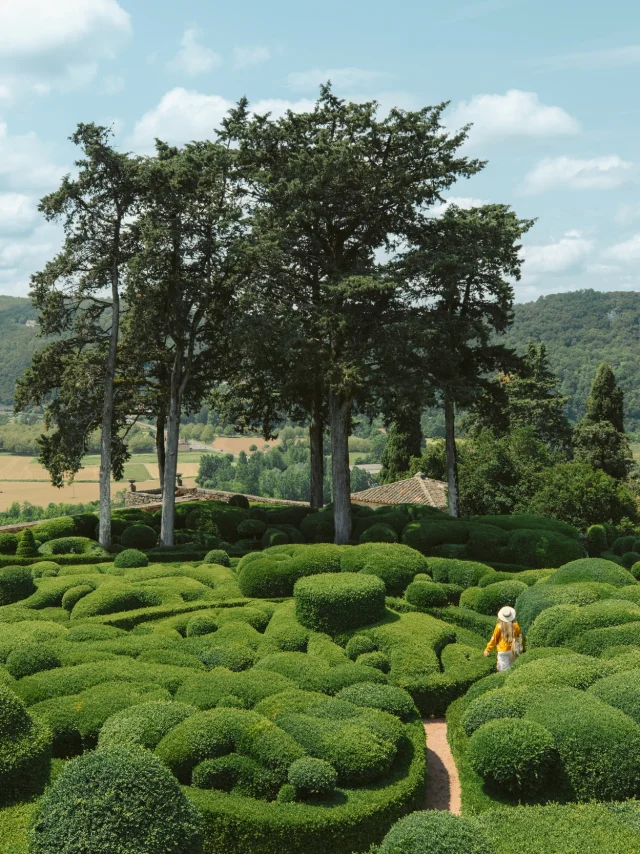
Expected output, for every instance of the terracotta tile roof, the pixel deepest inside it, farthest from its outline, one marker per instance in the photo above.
(415, 490)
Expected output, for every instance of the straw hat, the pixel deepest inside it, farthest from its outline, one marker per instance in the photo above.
(507, 614)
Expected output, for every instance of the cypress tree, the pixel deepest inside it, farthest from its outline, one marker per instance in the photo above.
(606, 399)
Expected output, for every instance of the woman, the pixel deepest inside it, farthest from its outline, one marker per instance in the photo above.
(506, 638)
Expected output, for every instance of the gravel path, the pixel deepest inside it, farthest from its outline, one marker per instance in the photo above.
(443, 786)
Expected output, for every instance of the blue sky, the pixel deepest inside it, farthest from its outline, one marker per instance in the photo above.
(551, 88)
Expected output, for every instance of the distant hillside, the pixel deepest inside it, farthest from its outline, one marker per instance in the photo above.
(582, 329)
(17, 342)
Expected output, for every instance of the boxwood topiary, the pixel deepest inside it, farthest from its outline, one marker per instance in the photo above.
(16, 583)
(495, 596)
(312, 777)
(375, 659)
(435, 832)
(426, 594)
(540, 548)
(379, 533)
(138, 537)
(596, 540)
(27, 544)
(217, 556)
(201, 624)
(25, 750)
(71, 545)
(334, 603)
(629, 559)
(466, 573)
(497, 703)
(518, 756)
(233, 656)
(54, 529)
(387, 698)
(251, 528)
(131, 559)
(239, 501)
(8, 544)
(359, 645)
(592, 569)
(116, 801)
(74, 595)
(31, 658)
(143, 725)
(273, 537)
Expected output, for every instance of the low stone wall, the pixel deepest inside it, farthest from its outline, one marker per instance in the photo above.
(152, 499)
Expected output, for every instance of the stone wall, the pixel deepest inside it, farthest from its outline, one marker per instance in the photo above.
(152, 498)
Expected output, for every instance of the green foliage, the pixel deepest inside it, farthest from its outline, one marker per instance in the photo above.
(72, 545)
(31, 658)
(25, 750)
(517, 756)
(427, 594)
(592, 569)
(435, 833)
(312, 777)
(239, 501)
(16, 583)
(130, 559)
(536, 599)
(217, 556)
(26, 544)
(596, 540)
(386, 698)
(201, 624)
(395, 564)
(138, 537)
(379, 533)
(54, 529)
(491, 705)
(538, 549)
(334, 603)
(116, 801)
(465, 573)
(8, 544)
(495, 596)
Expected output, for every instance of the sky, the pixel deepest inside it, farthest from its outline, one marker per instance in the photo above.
(550, 89)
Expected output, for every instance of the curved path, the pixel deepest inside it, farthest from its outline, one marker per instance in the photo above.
(443, 785)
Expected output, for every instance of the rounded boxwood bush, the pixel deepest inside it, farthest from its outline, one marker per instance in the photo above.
(379, 533)
(138, 537)
(71, 546)
(629, 559)
(8, 544)
(218, 556)
(239, 501)
(466, 573)
(596, 540)
(265, 577)
(359, 645)
(74, 595)
(25, 750)
(499, 703)
(435, 832)
(143, 725)
(394, 563)
(252, 528)
(312, 776)
(234, 773)
(233, 656)
(426, 594)
(621, 545)
(131, 559)
(31, 658)
(375, 659)
(495, 596)
(514, 755)
(54, 529)
(387, 698)
(592, 569)
(116, 801)
(44, 569)
(273, 537)
(334, 603)
(26, 544)
(16, 583)
(201, 624)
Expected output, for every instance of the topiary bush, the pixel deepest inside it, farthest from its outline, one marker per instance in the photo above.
(592, 569)
(518, 756)
(116, 801)
(31, 658)
(386, 698)
(44, 569)
(74, 594)
(596, 540)
(375, 659)
(312, 777)
(201, 624)
(359, 645)
(138, 537)
(335, 603)
(72, 546)
(143, 725)
(540, 548)
(8, 544)
(131, 559)
(629, 559)
(379, 533)
(26, 544)
(239, 501)
(63, 526)
(233, 656)
(435, 832)
(16, 583)
(426, 594)
(495, 596)
(25, 750)
(252, 528)
(466, 573)
(218, 556)
(496, 703)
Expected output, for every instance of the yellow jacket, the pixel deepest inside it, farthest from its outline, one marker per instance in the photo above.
(499, 642)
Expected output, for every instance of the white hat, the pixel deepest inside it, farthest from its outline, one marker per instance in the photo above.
(507, 614)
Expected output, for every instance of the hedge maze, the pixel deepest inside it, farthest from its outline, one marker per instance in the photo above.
(271, 695)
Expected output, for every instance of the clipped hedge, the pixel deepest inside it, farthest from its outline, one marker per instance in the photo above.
(25, 750)
(435, 832)
(336, 603)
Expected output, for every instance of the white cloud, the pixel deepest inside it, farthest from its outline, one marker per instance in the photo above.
(194, 58)
(617, 57)
(18, 213)
(341, 78)
(464, 202)
(627, 213)
(183, 115)
(558, 257)
(625, 252)
(26, 162)
(48, 45)
(515, 114)
(598, 173)
(245, 57)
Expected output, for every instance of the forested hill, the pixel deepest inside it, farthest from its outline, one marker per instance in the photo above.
(18, 342)
(582, 329)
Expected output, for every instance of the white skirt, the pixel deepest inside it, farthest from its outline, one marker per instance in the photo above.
(505, 660)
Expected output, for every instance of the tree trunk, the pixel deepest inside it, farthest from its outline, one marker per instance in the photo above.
(340, 423)
(171, 456)
(104, 525)
(316, 431)
(452, 457)
(160, 447)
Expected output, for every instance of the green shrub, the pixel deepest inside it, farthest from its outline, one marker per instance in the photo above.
(536, 599)
(116, 801)
(139, 537)
(71, 546)
(239, 501)
(27, 544)
(143, 725)
(394, 563)
(44, 569)
(25, 750)
(426, 594)
(131, 559)
(592, 569)
(523, 521)
(312, 777)
(201, 624)
(31, 658)
(359, 645)
(426, 534)
(485, 541)
(379, 533)
(375, 659)
(74, 594)
(629, 559)
(621, 545)
(334, 603)
(112, 598)
(435, 832)
(609, 612)
(386, 698)
(16, 583)
(54, 529)
(518, 756)
(233, 656)
(251, 686)
(622, 691)
(466, 573)
(571, 669)
(273, 537)
(8, 544)
(596, 540)
(266, 578)
(540, 548)
(237, 774)
(495, 596)
(493, 704)
(217, 556)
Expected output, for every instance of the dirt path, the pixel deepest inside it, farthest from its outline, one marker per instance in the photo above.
(443, 786)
